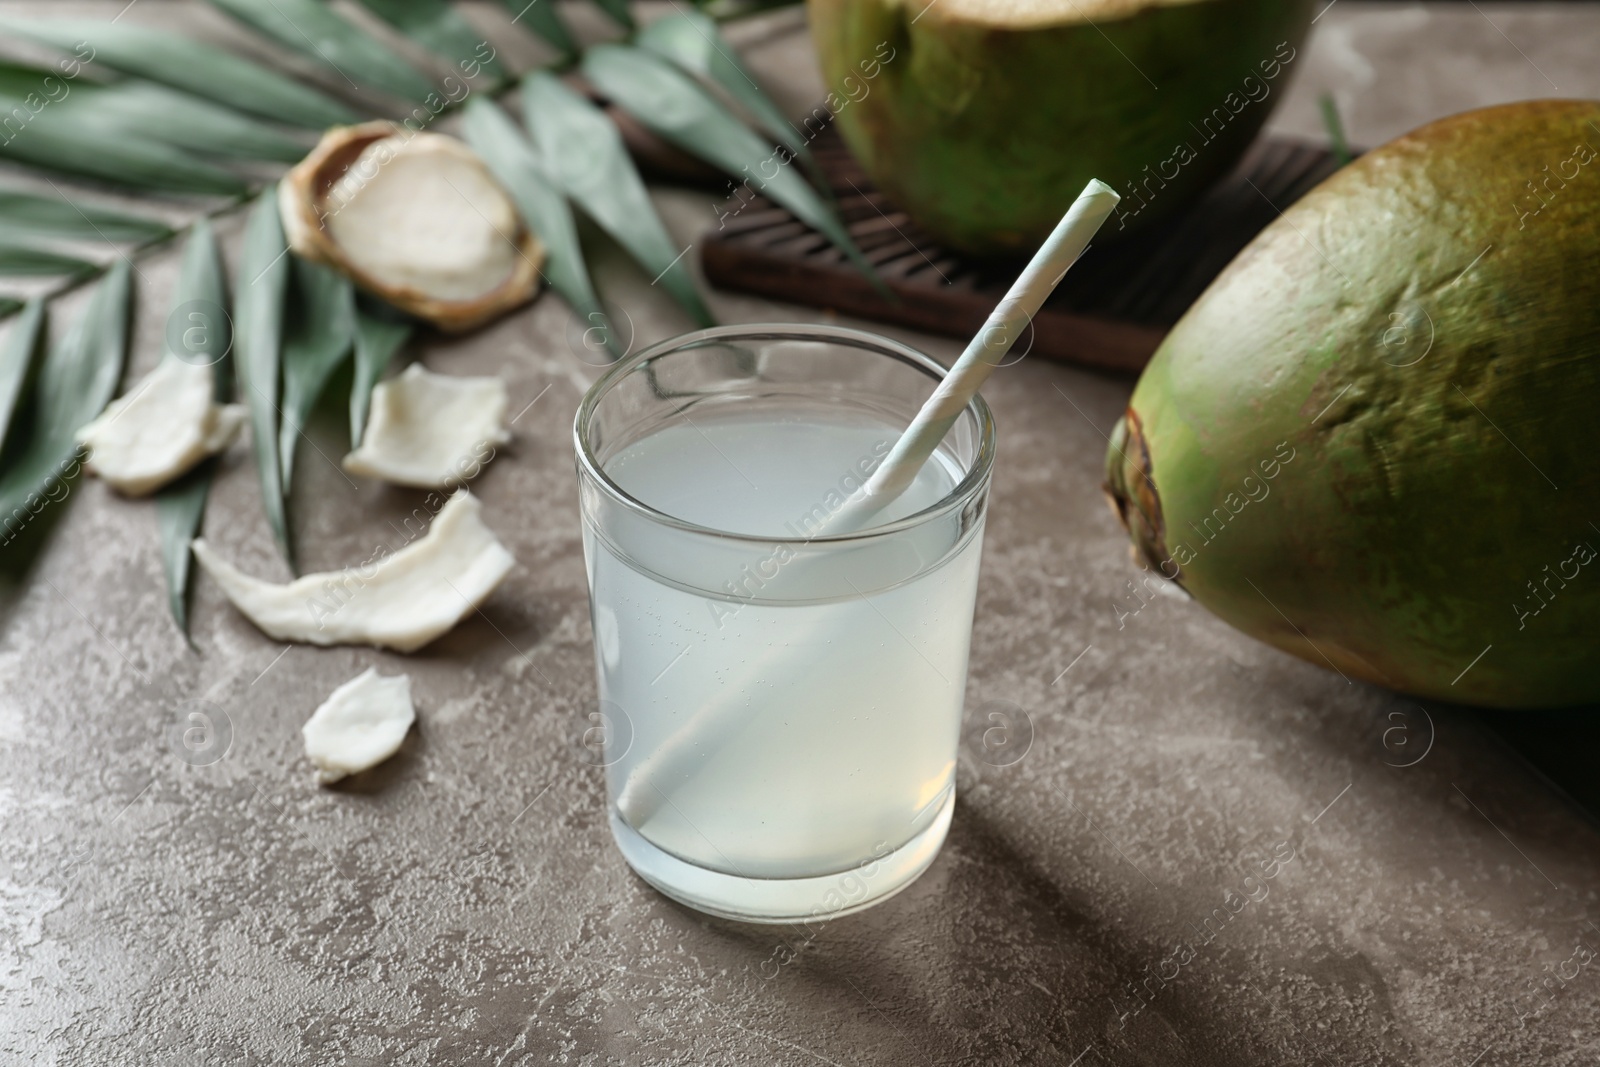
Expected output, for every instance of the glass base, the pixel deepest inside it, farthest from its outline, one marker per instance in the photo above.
(784, 900)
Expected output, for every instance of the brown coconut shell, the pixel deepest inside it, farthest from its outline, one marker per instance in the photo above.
(303, 202)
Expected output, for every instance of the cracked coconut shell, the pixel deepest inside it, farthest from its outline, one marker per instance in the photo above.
(984, 118)
(415, 219)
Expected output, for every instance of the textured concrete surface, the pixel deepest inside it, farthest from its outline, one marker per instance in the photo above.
(1384, 884)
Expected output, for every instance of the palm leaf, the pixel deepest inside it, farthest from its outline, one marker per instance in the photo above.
(317, 338)
(378, 338)
(495, 138)
(31, 213)
(201, 69)
(75, 383)
(678, 110)
(184, 121)
(690, 39)
(439, 27)
(618, 10)
(17, 359)
(65, 135)
(540, 16)
(181, 505)
(588, 162)
(202, 298)
(259, 292)
(314, 30)
(23, 260)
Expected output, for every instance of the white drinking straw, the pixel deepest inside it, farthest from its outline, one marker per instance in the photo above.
(695, 742)
(984, 352)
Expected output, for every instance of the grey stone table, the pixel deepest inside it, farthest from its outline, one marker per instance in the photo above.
(1433, 903)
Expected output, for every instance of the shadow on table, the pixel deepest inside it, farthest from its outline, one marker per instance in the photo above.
(1559, 747)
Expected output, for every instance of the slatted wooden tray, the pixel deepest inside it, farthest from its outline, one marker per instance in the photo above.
(1111, 311)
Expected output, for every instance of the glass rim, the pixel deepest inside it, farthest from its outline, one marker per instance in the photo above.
(958, 497)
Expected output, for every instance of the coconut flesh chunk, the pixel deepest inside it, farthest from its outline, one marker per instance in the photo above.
(431, 430)
(160, 428)
(400, 601)
(425, 214)
(361, 724)
(1035, 14)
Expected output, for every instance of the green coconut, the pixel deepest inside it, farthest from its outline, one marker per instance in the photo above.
(1370, 443)
(984, 118)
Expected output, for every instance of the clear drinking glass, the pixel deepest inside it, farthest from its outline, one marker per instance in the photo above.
(782, 703)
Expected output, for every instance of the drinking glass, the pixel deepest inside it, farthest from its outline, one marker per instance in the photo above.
(781, 700)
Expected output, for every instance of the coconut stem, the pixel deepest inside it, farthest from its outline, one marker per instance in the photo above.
(1133, 496)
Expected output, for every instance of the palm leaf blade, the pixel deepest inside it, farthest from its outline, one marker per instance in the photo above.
(31, 213)
(18, 260)
(505, 150)
(201, 69)
(540, 16)
(77, 380)
(315, 31)
(317, 337)
(439, 28)
(180, 507)
(65, 135)
(690, 39)
(680, 111)
(188, 122)
(17, 360)
(618, 10)
(259, 292)
(587, 160)
(377, 339)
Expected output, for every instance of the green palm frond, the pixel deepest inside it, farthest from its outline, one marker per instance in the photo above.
(49, 122)
(540, 16)
(692, 41)
(180, 507)
(318, 334)
(493, 135)
(20, 260)
(201, 69)
(23, 213)
(678, 110)
(316, 31)
(160, 113)
(76, 381)
(17, 358)
(141, 109)
(260, 292)
(378, 338)
(618, 10)
(439, 27)
(587, 161)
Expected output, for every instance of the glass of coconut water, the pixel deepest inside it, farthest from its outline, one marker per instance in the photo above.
(781, 702)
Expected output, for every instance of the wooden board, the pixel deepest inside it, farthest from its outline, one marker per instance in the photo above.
(1111, 312)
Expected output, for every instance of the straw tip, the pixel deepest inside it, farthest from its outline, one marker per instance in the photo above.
(1096, 187)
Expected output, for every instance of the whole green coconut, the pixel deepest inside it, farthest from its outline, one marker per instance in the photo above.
(985, 118)
(1371, 441)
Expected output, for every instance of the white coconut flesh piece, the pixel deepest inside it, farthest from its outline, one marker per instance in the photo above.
(400, 601)
(431, 430)
(160, 428)
(425, 214)
(361, 724)
(1033, 14)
